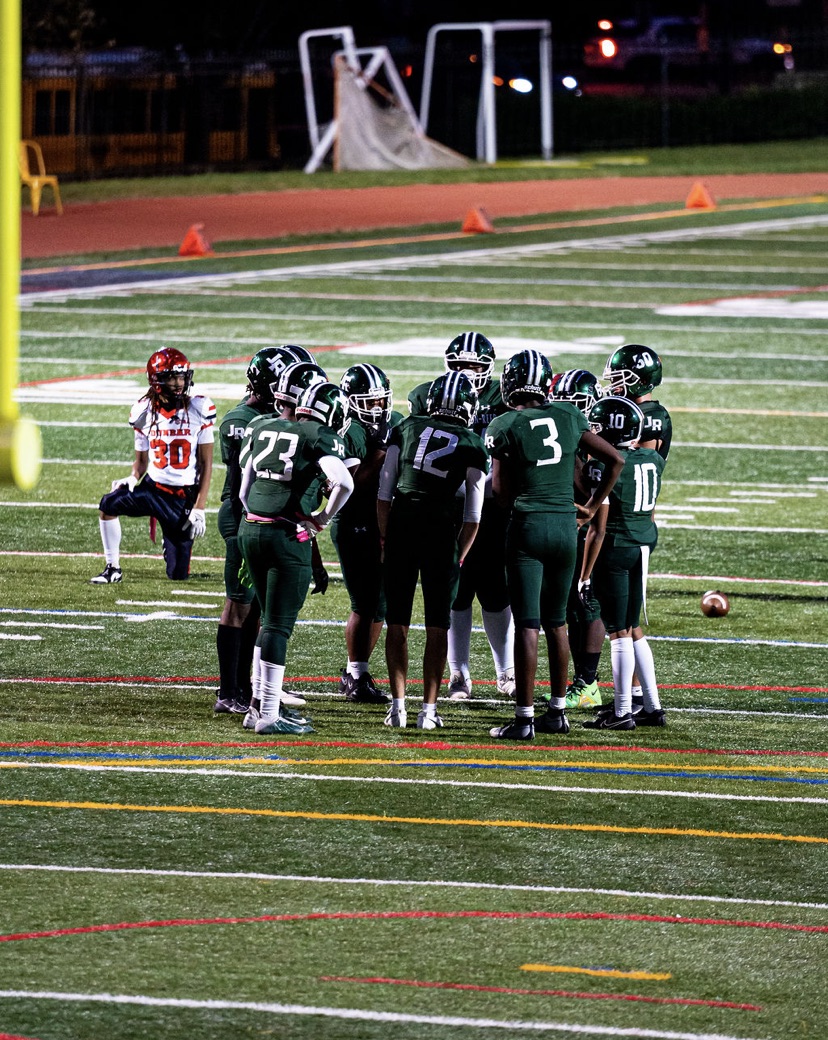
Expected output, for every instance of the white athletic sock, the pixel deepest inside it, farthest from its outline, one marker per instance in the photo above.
(398, 704)
(459, 642)
(111, 538)
(256, 675)
(524, 712)
(645, 666)
(357, 668)
(272, 678)
(500, 631)
(622, 657)
(430, 710)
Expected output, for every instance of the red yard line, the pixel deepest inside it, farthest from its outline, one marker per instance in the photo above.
(416, 915)
(581, 995)
(427, 745)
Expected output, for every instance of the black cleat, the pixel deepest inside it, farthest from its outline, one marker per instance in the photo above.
(610, 720)
(517, 729)
(363, 690)
(553, 720)
(108, 576)
(651, 718)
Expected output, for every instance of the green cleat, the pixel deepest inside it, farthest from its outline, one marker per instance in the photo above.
(268, 725)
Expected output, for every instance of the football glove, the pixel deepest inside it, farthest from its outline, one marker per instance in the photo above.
(320, 579)
(198, 523)
(129, 482)
(310, 525)
(585, 593)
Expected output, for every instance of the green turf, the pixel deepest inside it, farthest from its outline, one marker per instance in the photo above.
(112, 760)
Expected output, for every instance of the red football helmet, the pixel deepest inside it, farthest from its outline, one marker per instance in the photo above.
(164, 364)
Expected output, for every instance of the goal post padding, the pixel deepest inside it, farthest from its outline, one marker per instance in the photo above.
(374, 132)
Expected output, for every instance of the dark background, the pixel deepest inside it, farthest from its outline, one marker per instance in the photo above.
(222, 27)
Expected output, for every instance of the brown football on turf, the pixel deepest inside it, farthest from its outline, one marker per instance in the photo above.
(715, 604)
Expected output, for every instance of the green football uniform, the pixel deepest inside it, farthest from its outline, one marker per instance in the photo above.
(354, 530)
(289, 482)
(489, 404)
(658, 426)
(484, 569)
(430, 458)
(619, 576)
(231, 434)
(537, 448)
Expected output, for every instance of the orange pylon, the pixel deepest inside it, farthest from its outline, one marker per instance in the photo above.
(477, 220)
(195, 244)
(699, 198)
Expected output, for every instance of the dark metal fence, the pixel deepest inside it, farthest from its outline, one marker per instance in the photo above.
(137, 112)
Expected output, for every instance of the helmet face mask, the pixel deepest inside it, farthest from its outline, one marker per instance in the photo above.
(294, 380)
(579, 387)
(165, 370)
(453, 396)
(473, 354)
(633, 370)
(617, 420)
(326, 403)
(526, 375)
(266, 367)
(369, 395)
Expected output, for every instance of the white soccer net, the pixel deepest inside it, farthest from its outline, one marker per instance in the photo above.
(376, 132)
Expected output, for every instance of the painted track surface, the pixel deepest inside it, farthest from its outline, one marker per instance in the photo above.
(162, 222)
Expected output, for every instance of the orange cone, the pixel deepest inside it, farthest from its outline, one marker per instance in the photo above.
(195, 244)
(699, 198)
(477, 220)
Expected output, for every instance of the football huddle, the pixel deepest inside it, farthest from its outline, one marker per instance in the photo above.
(533, 492)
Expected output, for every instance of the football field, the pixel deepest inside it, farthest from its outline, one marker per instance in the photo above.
(166, 873)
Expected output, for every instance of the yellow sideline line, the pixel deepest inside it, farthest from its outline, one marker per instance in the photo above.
(431, 821)
(483, 763)
(612, 973)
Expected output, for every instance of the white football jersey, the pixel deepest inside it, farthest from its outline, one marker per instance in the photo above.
(171, 436)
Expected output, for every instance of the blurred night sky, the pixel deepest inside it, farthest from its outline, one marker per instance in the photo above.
(250, 26)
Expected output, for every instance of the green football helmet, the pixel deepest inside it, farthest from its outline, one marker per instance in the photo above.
(369, 394)
(526, 374)
(454, 397)
(578, 386)
(267, 365)
(618, 420)
(325, 402)
(294, 380)
(471, 348)
(633, 370)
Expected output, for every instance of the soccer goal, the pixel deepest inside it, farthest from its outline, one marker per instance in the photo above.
(374, 125)
(486, 128)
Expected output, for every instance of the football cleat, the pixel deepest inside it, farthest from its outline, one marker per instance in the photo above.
(609, 720)
(251, 718)
(580, 694)
(517, 729)
(108, 576)
(396, 719)
(506, 684)
(553, 720)
(657, 717)
(459, 687)
(268, 725)
(292, 699)
(362, 690)
(231, 706)
(573, 695)
(429, 721)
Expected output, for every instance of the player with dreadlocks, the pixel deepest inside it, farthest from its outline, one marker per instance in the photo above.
(171, 470)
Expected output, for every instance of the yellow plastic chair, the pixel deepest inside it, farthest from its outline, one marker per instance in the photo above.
(36, 181)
